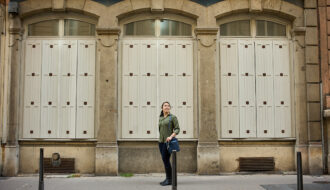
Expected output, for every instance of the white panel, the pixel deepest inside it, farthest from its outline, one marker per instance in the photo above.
(31, 128)
(85, 107)
(264, 56)
(67, 119)
(166, 90)
(68, 57)
(265, 121)
(281, 58)
(265, 89)
(166, 59)
(185, 119)
(32, 91)
(282, 121)
(49, 93)
(148, 61)
(148, 106)
(130, 122)
(184, 58)
(86, 57)
(33, 57)
(247, 88)
(50, 57)
(85, 122)
(229, 122)
(229, 107)
(131, 57)
(228, 57)
(50, 106)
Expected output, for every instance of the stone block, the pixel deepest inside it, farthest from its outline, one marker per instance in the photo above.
(310, 4)
(311, 17)
(312, 73)
(315, 133)
(311, 36)
(312, 54)
(313, 92)
(313, 111)
(58, 5)
(255, 6)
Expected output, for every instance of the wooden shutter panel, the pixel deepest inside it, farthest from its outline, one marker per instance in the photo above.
(49, 93)
(247, 88)
(131, 89)
(31, 115)
(85, 89)
(67, 86)
(282, 89)
(148, 116)
(229, 89)
(265, 88)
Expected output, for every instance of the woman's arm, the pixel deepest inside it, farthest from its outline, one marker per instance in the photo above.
(176, 129)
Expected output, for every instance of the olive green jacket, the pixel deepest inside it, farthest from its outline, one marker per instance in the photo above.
(164, 132)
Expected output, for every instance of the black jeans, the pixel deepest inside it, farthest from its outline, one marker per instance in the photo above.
(166, 160)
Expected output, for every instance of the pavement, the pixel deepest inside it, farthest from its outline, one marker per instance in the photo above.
(151, 182)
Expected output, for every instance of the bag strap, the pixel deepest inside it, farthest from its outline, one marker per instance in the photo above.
(169, 123)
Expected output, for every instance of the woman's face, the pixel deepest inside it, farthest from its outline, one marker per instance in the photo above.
(166, 107)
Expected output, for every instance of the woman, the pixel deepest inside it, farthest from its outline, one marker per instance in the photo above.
(168, 128)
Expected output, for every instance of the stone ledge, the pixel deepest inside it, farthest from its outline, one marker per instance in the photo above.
(108, 31)
(326, 113)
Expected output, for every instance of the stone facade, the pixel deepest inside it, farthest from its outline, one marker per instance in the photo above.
(108, 154)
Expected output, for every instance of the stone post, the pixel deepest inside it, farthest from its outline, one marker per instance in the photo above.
(106, 158)
(208, 148)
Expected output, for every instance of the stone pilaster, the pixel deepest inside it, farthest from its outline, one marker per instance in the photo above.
(106, 158)
(208, 148)
(11, 151)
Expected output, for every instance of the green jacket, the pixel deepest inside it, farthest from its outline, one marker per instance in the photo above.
(164, 132)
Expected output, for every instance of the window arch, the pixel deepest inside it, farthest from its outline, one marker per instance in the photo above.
(61, 27)
(157, 27)
(253, 26)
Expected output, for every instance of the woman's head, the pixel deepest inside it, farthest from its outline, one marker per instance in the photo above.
(166, 107)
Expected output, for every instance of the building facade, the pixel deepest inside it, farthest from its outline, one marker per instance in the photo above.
(86, 79)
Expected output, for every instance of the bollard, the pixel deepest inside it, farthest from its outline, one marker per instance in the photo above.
(174, 174)
(41, 170)
(299, 172)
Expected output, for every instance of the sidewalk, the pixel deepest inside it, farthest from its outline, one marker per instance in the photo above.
(151, 182)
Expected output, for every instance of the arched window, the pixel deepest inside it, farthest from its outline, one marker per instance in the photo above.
(255, 79)
(158, 27)
(61, 27)
(253, 28)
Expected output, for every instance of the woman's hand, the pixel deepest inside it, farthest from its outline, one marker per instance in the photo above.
(168, 139)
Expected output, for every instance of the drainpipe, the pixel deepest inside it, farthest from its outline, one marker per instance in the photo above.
(324, 155)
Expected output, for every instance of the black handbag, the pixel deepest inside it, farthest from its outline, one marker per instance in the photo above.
(174, 143)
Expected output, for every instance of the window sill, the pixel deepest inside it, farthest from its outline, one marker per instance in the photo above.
(291, 139)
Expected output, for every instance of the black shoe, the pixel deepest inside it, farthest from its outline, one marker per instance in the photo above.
(162, 182)
(167, 182)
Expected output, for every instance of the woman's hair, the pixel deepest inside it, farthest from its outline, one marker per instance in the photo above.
(162, 113)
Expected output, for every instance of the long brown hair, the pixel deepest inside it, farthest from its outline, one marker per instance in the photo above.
(162, 113)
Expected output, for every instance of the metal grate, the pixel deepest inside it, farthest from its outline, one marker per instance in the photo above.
(256, 164)
(66, 166)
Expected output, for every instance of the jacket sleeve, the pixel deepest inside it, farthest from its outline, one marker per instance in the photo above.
(176, 127)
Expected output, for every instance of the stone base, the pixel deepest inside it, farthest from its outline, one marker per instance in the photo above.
(208, 158)
(315, 159)
(304, 157)
(106, 159)
(10, 166)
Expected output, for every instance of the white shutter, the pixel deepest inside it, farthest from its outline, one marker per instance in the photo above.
(229, 89)
(282, 89)
(265, 88)
(247, 89)
(184, 87)
(148, 89)
(85, 89)
(49, 93)
(67, 86)
(31, 121)
(131, 89)
(166, 72)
